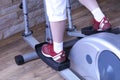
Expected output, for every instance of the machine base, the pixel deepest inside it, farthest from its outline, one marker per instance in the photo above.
(50, 61)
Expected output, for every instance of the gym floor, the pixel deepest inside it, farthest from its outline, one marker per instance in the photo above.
(37, 69)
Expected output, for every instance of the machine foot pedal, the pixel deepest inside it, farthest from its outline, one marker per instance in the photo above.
(89, 30)
(115, 31)
(50, 61)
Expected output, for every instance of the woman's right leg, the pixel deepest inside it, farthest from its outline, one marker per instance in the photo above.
(56, 11)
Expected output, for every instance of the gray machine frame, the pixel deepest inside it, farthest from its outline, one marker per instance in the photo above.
(30, 39)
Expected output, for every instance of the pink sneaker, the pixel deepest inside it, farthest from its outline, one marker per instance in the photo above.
(103, 25)
(47, 51)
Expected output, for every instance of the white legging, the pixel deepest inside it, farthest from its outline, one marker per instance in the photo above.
(56, 10)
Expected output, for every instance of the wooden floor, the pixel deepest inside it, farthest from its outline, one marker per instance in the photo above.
(37, 69)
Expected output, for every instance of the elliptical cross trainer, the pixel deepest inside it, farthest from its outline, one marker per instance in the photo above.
(101, 60)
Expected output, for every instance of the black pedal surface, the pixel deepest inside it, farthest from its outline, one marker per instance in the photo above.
(89, 30)
(115, 31)
(50, 61)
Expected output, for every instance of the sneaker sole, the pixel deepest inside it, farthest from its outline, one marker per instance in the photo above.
(46, 55)
(52, 57)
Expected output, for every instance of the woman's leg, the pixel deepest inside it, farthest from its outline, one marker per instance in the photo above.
(56, 11)
(100, 23)
(57, 29)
